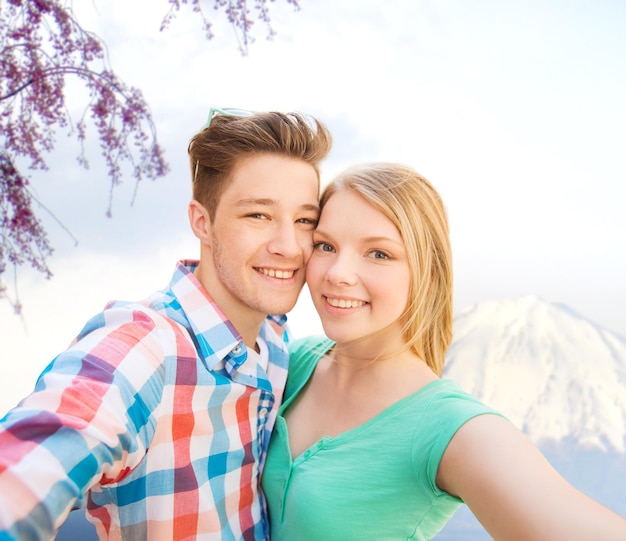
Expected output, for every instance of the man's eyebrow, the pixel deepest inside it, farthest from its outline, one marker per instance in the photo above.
(266, 202)
(253, 201)
(314, 208)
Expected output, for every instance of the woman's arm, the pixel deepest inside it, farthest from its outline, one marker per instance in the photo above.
(514, 491)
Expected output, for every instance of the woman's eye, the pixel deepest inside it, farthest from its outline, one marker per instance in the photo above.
(377, 254)
(322, 247)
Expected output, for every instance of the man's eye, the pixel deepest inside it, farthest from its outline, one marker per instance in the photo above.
(307, 221)
(257, 215)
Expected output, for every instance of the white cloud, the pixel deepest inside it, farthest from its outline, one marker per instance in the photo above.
(515, 112)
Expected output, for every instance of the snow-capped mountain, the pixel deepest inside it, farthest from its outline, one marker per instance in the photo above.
(555, 374)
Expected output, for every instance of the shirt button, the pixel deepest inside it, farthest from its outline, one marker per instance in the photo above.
(263, 412)
(236, 350)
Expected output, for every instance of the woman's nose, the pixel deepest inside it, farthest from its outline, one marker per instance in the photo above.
(342, 271)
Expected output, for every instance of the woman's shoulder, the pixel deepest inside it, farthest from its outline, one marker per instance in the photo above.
(309, 349)
(446, 396)
(304, 354)
(440, 410)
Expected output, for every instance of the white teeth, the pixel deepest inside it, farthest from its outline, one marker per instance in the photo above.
(344, 303)
(276, 273)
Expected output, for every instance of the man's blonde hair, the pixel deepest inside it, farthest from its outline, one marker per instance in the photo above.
(216, 150)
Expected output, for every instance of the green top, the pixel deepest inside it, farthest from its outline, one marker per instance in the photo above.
(374, 482)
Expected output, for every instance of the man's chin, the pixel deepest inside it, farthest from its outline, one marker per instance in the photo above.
(280, 307)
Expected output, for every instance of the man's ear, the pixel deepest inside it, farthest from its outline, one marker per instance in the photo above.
(199, 221)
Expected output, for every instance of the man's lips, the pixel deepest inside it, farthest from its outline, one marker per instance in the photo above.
(283, 274)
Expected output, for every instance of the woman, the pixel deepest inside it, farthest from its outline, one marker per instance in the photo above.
(370, 442)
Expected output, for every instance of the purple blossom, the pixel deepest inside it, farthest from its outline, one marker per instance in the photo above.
(237, 13)
(41, 46)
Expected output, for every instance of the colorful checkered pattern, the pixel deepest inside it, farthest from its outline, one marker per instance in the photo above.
(154, 419)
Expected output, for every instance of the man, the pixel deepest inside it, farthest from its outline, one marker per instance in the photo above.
(158, 416)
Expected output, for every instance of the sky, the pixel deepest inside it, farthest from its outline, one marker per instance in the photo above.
(513, 110)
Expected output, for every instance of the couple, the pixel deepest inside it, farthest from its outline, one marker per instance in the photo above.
(158, 417)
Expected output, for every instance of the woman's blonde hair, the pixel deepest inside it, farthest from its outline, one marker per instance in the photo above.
(417, 210)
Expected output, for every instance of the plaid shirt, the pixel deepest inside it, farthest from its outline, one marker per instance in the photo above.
(153, 419)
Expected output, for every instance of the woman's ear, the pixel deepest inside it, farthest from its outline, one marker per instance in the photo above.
(200, 221)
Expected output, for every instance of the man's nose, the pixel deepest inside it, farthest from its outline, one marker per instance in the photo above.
(288, 241)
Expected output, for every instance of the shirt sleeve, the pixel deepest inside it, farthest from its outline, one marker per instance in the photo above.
(446, 412)
(87, 422)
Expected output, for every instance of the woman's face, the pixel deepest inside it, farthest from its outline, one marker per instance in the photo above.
(358, 275)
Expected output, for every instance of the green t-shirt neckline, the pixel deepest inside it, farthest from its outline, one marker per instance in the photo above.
(373, 482)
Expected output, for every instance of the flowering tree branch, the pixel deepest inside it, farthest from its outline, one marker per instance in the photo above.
(238, 14)
(42, 46)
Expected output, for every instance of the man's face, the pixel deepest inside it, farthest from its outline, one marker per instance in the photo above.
(261, 237)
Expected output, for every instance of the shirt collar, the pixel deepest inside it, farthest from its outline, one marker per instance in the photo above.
(216, 336)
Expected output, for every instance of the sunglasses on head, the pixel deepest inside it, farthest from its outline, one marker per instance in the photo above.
(226, 111)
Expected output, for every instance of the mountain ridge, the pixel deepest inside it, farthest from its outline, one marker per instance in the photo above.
(559, 377)
(554, 373)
